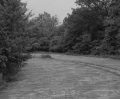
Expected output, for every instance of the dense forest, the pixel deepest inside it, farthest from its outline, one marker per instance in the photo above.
(91, 29)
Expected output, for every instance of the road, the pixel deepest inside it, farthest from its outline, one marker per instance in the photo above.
(66, 77)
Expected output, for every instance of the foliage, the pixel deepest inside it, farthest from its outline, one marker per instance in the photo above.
(92, 28)
(13, 21)
(112, 30)
(42, 29)
(83, 25)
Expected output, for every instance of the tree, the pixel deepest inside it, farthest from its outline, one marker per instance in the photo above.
(98, 5)
(112, 23)
(84, 28)
(82, 22)
(42, 28)
(13, 19)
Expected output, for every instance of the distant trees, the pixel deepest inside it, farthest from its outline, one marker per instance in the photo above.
(41, 30)
(92, 28)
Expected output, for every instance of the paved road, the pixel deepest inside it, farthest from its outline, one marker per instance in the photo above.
(66, 77)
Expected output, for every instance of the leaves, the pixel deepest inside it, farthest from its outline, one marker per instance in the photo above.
(13, 20)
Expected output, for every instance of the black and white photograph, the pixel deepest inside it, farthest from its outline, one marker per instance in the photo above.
(59, 49)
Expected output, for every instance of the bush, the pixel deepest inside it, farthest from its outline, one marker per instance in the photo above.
(10, 63)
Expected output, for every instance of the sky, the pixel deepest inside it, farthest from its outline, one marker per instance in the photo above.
(60, 8)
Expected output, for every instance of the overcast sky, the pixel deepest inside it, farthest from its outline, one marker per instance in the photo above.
(54, 7)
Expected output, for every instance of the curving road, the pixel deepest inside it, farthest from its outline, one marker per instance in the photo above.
(66, 77)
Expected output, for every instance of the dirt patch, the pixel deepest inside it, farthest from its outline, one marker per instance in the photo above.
(46, 56)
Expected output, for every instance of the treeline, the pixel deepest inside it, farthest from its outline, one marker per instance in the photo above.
(41, 30)
(13, 21)
(92, 28)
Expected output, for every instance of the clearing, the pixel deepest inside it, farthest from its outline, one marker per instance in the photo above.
(66, 77)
